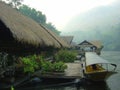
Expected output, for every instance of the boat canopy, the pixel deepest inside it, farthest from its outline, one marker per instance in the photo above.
(93, 58)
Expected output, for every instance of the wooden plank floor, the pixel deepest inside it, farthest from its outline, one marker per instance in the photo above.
(74, 70)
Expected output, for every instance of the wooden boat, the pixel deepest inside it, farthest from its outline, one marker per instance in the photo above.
(37, 83)
(96, 68)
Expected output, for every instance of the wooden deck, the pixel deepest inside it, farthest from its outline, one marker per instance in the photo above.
(73, 71)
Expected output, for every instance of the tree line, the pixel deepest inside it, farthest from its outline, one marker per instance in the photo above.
(38, 16)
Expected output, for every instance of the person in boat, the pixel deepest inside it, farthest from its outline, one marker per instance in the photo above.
(94, 67)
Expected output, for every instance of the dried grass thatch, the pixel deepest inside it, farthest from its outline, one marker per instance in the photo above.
(25, 31)
(68, 39)
(97, 43)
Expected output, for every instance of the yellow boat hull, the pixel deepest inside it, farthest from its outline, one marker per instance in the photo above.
(99, 76)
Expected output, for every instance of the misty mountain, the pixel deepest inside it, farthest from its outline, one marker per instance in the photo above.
(102, 23)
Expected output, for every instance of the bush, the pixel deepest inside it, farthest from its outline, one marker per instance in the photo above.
(46, 66)
(34, 62)
(65, 56)
(59, 66)
(53, 67)
(31, 63)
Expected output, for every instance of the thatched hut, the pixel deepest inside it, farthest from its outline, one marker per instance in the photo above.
(19, 33)
(94, 46)
(68, 39)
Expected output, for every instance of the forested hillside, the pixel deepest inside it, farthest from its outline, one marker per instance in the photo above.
(102, 24)
(38, 16)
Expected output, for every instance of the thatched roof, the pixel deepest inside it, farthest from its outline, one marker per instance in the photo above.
(95, 43)
(15, 27)
(68, 39)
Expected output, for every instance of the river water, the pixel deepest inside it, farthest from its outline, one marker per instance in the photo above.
(112, 83)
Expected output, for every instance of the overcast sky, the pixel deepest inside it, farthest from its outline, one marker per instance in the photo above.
(59, 12)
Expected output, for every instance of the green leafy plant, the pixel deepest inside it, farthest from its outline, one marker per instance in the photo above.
(59, 66)
(46, 66)
(34, 62)
(37, 59)
(31, 63)
(65, 56)
(53, 67)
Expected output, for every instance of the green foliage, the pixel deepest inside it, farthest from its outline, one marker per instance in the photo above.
(46, 66)
(52, 27)
(34, 62)
(28, 65)
(32, 13)
(65, 56)
(38, 17)
(53, 67)
(59, 66)
(31, 63)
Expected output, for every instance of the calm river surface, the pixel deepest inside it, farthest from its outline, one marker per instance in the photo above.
(113, 83)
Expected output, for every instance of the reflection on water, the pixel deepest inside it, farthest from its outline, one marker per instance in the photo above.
(111, 84)
(95, 86)
(83, 86)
